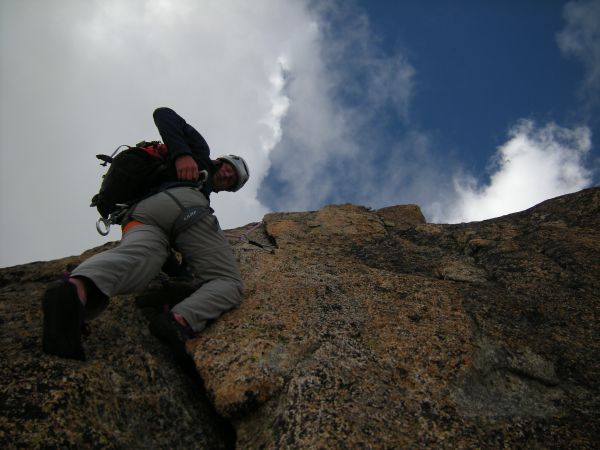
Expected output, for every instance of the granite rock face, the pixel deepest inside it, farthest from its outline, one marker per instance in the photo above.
(129, 393)
(360, 329)
(374, 329)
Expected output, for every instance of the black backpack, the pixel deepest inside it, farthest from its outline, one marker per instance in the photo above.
(133, 174)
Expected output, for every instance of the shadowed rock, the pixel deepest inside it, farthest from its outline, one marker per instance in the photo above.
(129, 393)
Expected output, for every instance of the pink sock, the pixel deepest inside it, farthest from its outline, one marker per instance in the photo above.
(180, 319)
(80, 286)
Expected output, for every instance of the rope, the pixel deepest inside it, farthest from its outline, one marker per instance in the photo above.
(244, 235)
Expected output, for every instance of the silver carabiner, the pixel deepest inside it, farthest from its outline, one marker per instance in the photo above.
(103, 222)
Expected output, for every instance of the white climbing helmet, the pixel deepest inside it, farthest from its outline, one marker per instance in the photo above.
(241, 168)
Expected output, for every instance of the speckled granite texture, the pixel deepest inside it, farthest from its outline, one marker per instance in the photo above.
(360, 329)
(128, 394)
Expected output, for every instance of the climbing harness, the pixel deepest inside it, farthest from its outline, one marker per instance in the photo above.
(188, 216)
(129, 225)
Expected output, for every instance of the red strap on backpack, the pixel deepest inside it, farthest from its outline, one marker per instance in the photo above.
(158, 150)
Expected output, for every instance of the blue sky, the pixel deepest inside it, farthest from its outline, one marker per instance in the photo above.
(478, 69)
(470, 109)
(481, 65)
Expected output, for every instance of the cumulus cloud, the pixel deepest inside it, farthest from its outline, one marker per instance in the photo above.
(339, 104)
(581, 39)
(299, 88)
(533, 165)
(81, 78)
(536, 163)
(336, 145)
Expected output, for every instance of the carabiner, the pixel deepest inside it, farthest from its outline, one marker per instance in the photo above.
(106, 223)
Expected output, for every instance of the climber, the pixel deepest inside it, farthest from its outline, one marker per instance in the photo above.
(177, 216)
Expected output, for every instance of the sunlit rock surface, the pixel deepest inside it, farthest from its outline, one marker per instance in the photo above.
(360, 329)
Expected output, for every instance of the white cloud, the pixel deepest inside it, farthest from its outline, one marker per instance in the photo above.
(81, 78)
(581, 39)
(338, 102)
(536, 163)
(304, 93)
(280, 105)
(336, 146)
(533, 165)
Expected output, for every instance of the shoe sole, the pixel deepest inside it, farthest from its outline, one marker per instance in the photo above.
(62, 321)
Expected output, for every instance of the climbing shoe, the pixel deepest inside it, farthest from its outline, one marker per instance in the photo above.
(63, 318)
(173, 334)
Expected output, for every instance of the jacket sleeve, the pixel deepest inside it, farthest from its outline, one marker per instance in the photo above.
(181, 138)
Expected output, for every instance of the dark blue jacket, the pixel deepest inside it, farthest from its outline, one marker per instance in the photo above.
(183, 139)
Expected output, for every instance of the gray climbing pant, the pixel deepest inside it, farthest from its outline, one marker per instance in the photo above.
(140, 255)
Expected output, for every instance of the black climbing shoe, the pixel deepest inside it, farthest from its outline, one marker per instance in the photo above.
(173, 334)
(63, 317)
